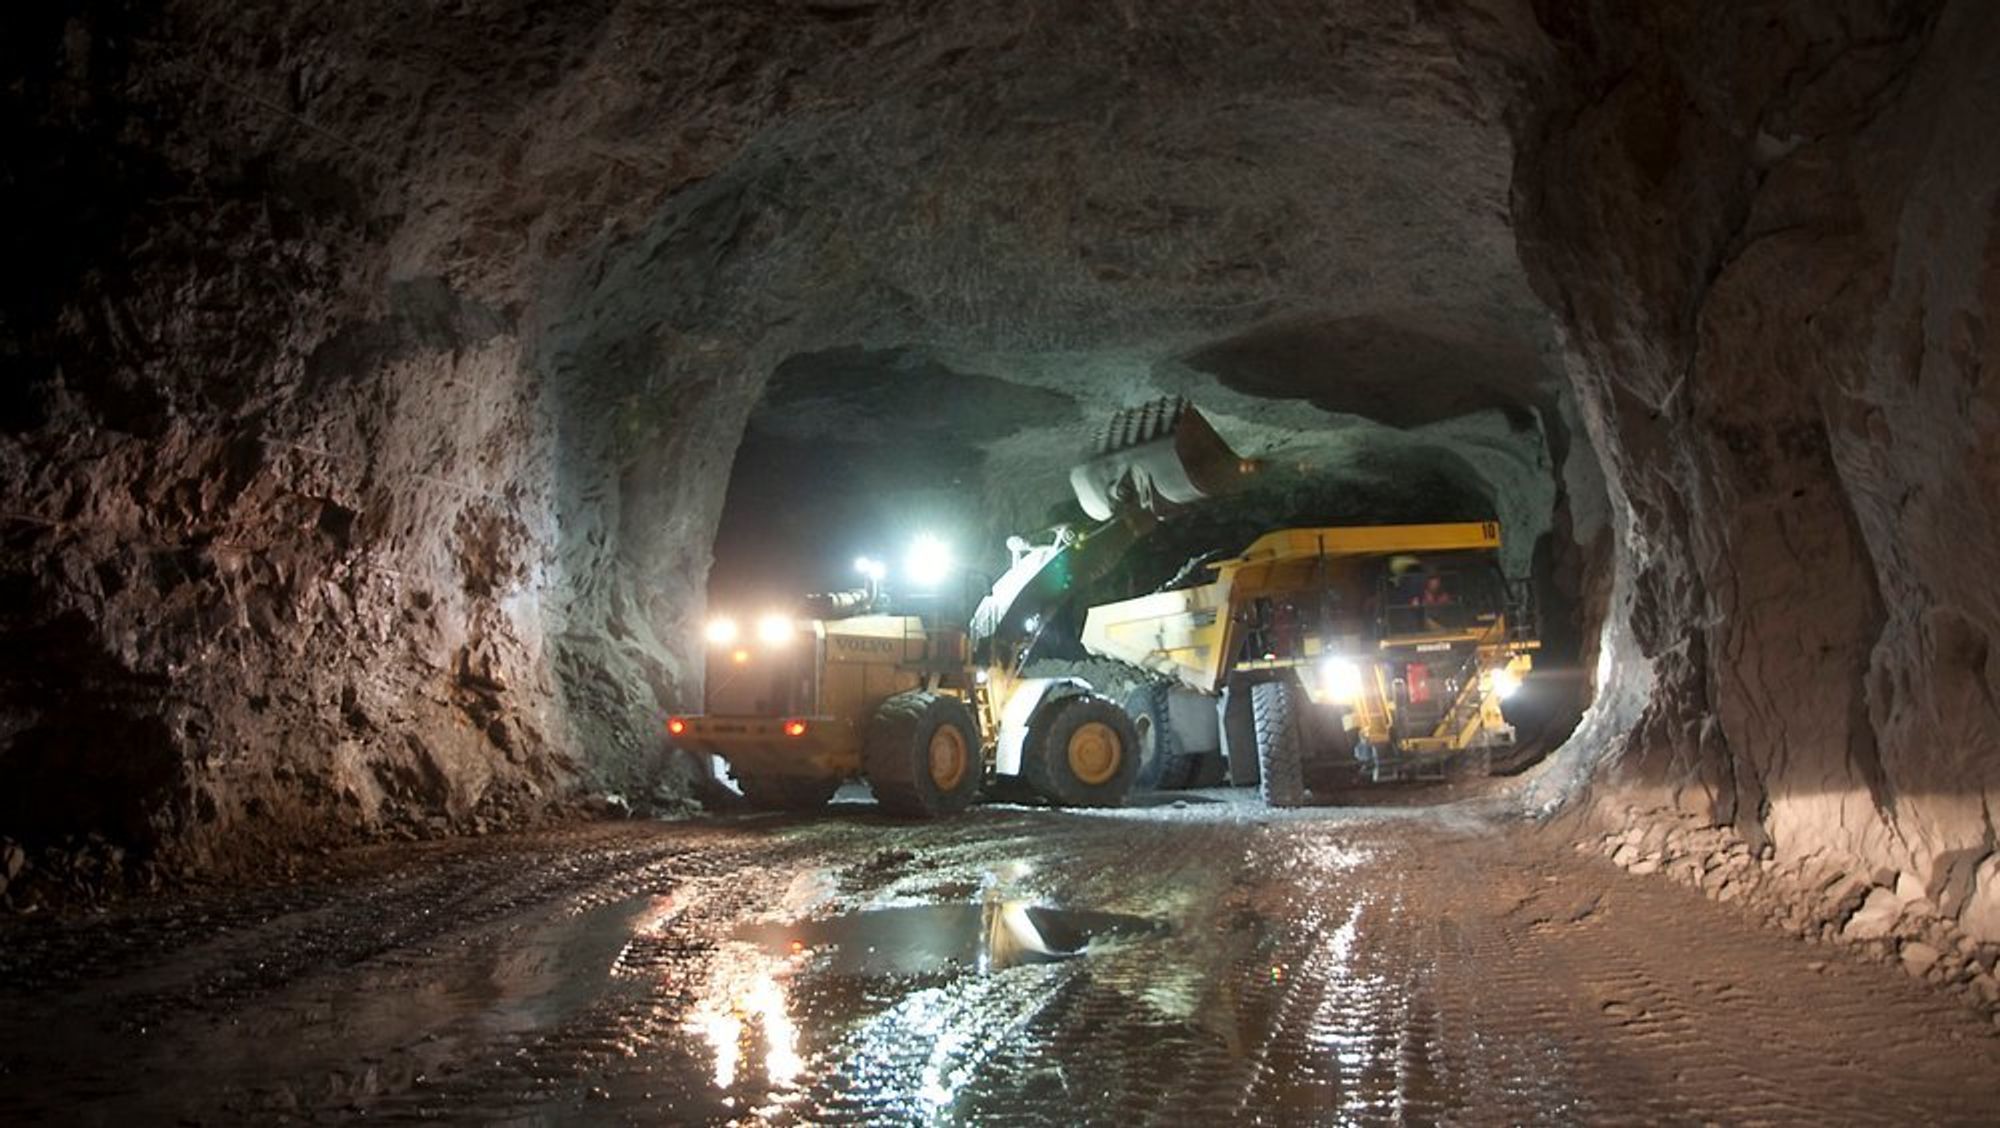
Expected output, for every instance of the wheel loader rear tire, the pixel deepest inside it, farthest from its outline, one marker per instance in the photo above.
(921, 755)
(1164, 765)
(1082, 751)
(786, 793)
(1280, 743)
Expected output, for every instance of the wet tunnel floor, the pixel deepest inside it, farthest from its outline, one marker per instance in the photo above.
(1152, 966)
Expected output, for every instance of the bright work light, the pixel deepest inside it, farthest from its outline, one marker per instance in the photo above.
(722, 630)
(774, 630)
(1506, 683)
(1341, 679)
(929, 562)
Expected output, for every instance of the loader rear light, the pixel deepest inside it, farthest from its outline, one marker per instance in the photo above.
(795, 728)
(740, 657)
(676, 726)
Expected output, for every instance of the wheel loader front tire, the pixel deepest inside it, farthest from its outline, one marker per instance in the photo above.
(1082, 752)
(1281, 743)
(921, 755)
(786, 793)
(1164, 764)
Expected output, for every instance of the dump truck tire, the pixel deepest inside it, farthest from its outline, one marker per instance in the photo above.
(1280, 743)
(1164, 765)
(1082, 752)
(786, 793)
(921, 755)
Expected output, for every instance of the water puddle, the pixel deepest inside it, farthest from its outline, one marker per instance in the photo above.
(980, 936)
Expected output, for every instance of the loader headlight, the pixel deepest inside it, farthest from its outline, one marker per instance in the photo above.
(1506, 683)
(721, 630)
(774, 630)
(1340, 680)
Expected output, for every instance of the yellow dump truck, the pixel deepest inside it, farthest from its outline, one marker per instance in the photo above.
(1381, 650)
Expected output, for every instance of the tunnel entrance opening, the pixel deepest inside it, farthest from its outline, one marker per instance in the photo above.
(850, 452)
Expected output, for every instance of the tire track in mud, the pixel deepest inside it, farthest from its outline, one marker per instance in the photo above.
(1652, 1005)
(1527, 1047)
(133, 940)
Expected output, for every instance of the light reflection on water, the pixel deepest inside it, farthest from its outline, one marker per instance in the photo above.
(745, 1001)
(744, 1009)
(990, 935)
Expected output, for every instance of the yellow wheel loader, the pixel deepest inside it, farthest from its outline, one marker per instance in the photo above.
(929, 712)
(893, 699)
(1378, 651)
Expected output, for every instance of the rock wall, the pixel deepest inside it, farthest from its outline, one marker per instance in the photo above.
(279, 491)
(1771, 233)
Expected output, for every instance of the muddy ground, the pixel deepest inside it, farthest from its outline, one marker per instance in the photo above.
(1176, 964)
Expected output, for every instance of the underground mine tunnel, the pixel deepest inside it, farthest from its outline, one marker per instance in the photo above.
(397, 398)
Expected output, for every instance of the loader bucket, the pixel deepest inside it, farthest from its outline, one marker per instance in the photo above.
(1154, 458)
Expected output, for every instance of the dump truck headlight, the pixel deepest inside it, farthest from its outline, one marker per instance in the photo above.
(721, 630)
(774, 630)
(1340, 680)
(1506, 683)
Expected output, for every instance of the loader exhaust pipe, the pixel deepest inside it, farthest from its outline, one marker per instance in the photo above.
(1155, 458)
